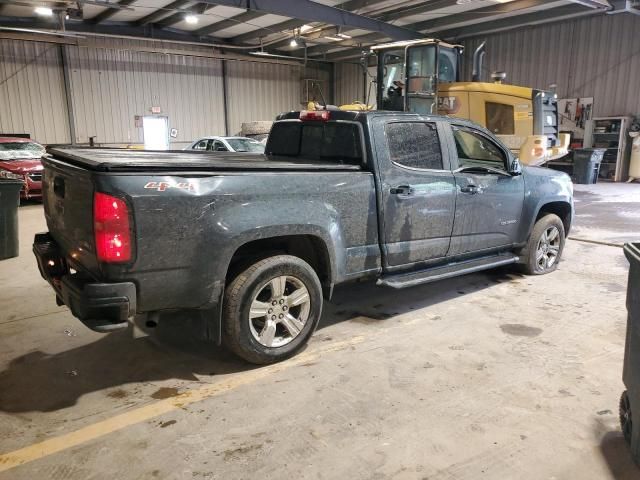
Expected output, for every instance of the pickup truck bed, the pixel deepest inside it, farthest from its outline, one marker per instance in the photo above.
(133, 161)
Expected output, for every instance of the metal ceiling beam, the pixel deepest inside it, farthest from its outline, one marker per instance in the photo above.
(162, 12)
(264, 31)
(388, 16)
(403, 12)
(599, 4)
(510, 20)
(177, 17)
(472, 16)
(229, 22)
(109, 28)
(547, 16)
(350, 5)
(316, 12)
(486, 14)
(110, 12)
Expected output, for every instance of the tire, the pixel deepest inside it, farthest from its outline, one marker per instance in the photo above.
(626, 420)
(532, 264)
(287, 324)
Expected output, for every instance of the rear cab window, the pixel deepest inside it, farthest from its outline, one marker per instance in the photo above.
(332, 141)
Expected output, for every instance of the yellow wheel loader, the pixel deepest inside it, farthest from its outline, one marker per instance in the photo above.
(423, 76)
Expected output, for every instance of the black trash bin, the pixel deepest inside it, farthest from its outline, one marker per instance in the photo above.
(630, 401)
(9, 202)
(586, 164)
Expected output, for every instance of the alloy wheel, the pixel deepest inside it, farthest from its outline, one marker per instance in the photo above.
(279, 311)
(548, 249)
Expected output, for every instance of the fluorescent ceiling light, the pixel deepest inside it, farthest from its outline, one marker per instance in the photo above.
(305, 28)
(344, 35)
(335, 39)
(44, 11)
(192, 19)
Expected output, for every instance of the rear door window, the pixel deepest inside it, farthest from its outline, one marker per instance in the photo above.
(414, 145)
(338, 142)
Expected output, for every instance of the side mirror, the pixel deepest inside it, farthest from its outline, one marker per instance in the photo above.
(515, 168)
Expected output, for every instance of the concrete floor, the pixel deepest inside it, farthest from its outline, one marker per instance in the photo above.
(492, 376)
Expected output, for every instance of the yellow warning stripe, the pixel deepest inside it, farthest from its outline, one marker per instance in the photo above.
(99, 429)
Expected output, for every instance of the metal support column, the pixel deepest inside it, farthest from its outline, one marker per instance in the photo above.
(225, 108)
(64, 59)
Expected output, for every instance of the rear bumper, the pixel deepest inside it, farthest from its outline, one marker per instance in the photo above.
(102, 307)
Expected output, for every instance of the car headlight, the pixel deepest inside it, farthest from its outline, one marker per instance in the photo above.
(10, 175)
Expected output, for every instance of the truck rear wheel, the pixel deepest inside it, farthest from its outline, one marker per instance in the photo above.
(544, 248)
(271, 309)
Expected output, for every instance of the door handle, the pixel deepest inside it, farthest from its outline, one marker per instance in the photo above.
(470, 189)
(401, 190)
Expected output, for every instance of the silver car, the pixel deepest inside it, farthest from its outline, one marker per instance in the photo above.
(227, 144)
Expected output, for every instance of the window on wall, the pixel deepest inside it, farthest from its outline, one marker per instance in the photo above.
(476, 150)
(500, 118)
(414, 145)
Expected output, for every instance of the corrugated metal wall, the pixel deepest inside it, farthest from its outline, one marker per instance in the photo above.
(112, 82)
(32, 95)
(110, 86)
(259, 91)
(596, 57)
(348, 83)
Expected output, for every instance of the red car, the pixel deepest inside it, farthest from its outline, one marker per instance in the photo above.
(21, 157)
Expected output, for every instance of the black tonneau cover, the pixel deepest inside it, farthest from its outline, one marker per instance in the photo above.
(119, 160)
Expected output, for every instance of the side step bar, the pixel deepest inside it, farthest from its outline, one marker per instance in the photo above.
(446, 271)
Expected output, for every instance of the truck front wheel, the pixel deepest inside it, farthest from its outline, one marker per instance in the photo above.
(544, 248)
(271, 309)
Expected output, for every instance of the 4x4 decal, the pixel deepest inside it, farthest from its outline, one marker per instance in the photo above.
(162, 186)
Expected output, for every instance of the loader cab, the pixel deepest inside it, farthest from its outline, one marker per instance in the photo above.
(408, 74)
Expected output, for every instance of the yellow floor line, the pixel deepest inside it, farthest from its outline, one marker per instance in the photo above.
(91, 432)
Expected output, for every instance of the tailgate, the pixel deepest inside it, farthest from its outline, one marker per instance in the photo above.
(68, 207)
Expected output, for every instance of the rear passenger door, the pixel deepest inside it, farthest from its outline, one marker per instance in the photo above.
(416, 190)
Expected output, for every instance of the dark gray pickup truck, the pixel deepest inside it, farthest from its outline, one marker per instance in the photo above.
(254, 243)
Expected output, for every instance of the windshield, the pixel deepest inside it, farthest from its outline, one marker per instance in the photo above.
(245, 145)
(20, 150)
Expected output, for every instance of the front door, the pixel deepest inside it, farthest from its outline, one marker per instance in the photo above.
(417, 190)
(155, 129)
(489, 199)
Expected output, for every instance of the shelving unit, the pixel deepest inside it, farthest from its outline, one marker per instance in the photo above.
(612, 134)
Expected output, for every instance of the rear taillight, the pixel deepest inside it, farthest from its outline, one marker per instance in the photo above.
(111, 228)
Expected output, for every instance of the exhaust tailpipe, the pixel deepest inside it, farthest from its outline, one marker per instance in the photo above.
(478, 59)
